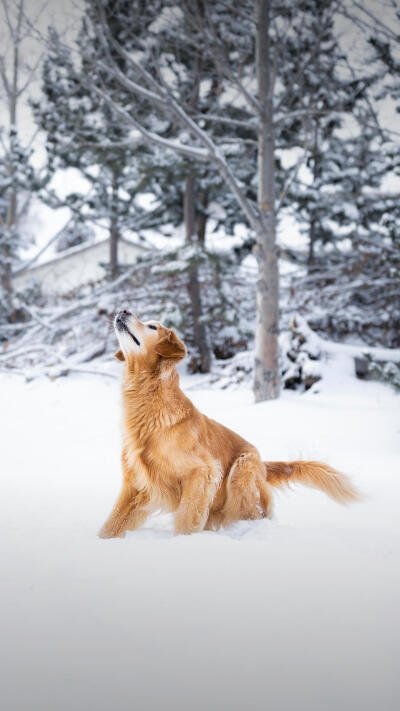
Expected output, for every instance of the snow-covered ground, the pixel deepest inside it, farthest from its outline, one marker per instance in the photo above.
(296, 614)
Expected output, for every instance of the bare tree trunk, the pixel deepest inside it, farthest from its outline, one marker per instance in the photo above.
(114, 227)
(266, 369)
(200, 331)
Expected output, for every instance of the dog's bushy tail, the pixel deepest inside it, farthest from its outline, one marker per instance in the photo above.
(315, 474)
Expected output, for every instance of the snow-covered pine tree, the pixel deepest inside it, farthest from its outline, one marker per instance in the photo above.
(17, 181)
(83, 133)
(354, 284)
(386, 46)
(350, 218)
(319, 97)
(188, 191)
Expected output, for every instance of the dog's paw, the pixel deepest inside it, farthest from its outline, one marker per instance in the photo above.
(107, 532)
(104, 533)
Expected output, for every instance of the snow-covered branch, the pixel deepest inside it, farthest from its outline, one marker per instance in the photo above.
(151, 137)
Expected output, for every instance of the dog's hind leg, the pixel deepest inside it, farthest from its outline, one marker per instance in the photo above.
(198, 492)
(248, 495)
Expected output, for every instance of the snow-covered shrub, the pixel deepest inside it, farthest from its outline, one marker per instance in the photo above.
(385, 371)
(357, 298)
(300, 361)
(300, 353)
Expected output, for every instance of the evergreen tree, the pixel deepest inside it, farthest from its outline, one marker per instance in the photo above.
(82, 132)
(350, 219)
(17, 177)
(187, 190)
(18, 180)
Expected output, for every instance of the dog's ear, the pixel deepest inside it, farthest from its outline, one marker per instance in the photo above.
(170, 346)
(119, 355)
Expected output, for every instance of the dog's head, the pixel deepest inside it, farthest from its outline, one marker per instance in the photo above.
(147, 345)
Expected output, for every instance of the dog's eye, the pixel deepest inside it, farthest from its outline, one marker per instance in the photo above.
(153, 327)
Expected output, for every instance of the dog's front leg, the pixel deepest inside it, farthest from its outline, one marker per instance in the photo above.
(127, 514)
(198, 491)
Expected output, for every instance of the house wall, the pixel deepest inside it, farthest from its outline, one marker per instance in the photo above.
(76, 268)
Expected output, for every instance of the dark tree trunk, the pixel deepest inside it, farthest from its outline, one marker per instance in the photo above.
(202, 217)
(200, 331)
(114, 226)
(311, 243)
(313, 234)
(194, 235)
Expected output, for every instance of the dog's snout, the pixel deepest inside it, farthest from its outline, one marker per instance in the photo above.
(123, 315)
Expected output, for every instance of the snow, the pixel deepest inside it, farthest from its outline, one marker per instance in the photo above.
(300, 612)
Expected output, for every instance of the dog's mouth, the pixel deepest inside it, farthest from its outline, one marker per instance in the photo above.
(121, 326)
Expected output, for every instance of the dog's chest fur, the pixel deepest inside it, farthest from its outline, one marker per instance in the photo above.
(159, 447)
(155, 463)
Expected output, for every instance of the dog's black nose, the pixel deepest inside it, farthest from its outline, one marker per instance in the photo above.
(121, 318)
(123, 315)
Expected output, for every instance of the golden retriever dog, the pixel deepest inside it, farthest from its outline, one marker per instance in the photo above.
(176, 459)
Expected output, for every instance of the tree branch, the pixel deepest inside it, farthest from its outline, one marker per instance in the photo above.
(149, 136)
(250, 124)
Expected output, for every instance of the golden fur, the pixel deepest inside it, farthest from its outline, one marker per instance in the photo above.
(176, 459)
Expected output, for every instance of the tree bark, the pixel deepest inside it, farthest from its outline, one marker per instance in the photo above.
(199, 328)
(114, 227)
(202, 217)
(194, 237)
(266, 367)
